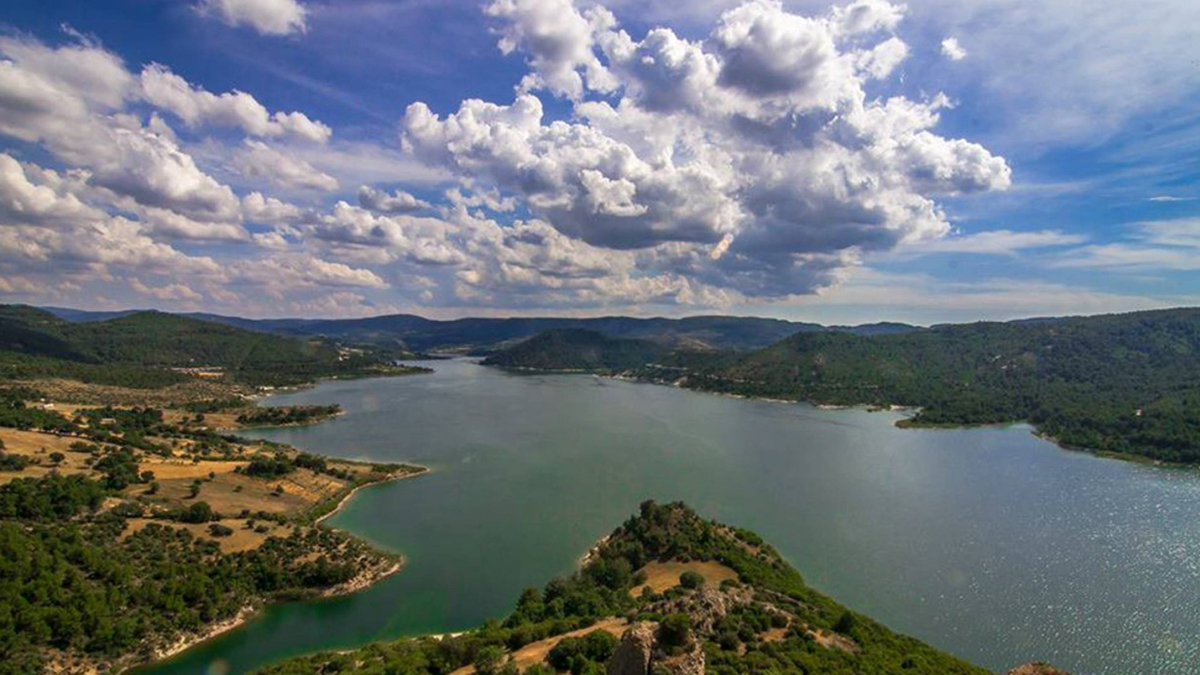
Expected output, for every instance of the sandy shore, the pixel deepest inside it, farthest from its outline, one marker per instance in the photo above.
(183, 642)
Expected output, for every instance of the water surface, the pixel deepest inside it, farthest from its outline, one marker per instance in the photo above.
(988, 543)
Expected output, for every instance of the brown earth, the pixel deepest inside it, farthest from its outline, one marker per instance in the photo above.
(661, 576)
(535, 652)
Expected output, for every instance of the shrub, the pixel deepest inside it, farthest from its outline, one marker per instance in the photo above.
(675, 631)
(199, 512)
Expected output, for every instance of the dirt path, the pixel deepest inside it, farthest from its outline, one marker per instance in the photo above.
(535, 652)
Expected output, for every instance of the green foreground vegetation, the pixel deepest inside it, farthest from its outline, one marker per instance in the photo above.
(81, 586)
(1127, 384)
(767, 621)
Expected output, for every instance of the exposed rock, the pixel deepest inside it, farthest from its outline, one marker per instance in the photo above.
(1036, 669)
(632, 656)
(706, 607)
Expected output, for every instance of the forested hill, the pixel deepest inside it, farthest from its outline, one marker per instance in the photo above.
(1124, 383)
(577, 349)
(670, 593)
(1127, 383)
(139, 349)
(481, 335)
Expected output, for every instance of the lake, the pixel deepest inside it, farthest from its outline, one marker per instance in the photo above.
(989, 543)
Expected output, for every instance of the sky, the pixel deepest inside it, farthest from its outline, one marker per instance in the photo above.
(840, 163)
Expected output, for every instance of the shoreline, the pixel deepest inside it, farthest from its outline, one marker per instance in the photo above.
(360, 582)
(186, 642)
(247, 613)
(903, 423)
(422, 470)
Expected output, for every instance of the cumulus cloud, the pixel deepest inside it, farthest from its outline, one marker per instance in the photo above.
(261, 161)
(196, 106)
(747, 164)
(71, 100)
(398, 201)
(952, 50)
(751, 161)
(268, 17)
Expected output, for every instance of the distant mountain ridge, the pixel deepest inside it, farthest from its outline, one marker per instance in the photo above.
(142, 348)
(577, 349)
(477, 335)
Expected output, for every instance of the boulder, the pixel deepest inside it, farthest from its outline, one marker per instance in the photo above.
(632, 656)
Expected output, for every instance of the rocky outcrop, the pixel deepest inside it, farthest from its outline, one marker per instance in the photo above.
(705, 607)
(633, 654)
(1036, 669)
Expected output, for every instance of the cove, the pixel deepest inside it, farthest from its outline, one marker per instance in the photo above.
(989, 543)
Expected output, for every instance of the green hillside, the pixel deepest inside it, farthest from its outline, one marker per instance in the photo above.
(140, 349)
(1124, 383)
(1127, 383)
(578, 349)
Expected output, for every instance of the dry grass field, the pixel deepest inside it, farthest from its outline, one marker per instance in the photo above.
(243, 538)
(661, 576)
(535, 652)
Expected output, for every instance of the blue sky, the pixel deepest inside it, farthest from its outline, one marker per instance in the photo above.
(846, 162)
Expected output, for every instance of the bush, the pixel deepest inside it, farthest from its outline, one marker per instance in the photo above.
(264, 467)
(199, 512)
(9, 462)
(845, 623)
(675, 631)
(690, 579)
(575, 653)
(219, 530)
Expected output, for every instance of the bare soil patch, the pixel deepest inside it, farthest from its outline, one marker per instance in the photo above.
(535, 652)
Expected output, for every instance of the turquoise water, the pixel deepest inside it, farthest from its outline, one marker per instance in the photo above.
(988, 543)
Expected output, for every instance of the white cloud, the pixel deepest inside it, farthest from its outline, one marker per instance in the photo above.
(268, 17)
(196, 106)
(261, 161)
(952, 50)
(559, 41)
(1155, 246)
(178, 292)
(1001, 242)
(257, 208)
(872, 295)
(398, 201)
(70, 100)
(759, 142)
